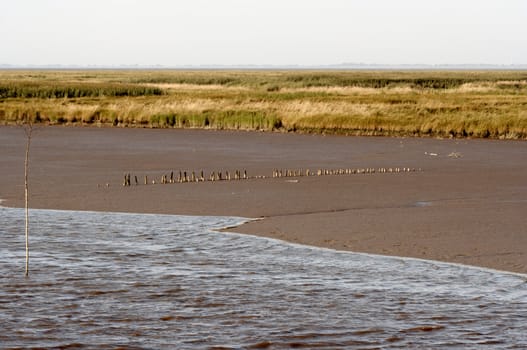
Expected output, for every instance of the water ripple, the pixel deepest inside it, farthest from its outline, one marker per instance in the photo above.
(105, 280)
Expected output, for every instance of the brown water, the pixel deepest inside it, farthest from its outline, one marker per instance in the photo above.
(105, 280)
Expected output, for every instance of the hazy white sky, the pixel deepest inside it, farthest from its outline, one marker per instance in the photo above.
(180, 32)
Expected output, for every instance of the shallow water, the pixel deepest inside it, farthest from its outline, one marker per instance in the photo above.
(106, 280)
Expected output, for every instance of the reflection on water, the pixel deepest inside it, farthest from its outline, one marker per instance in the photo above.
(165, 282)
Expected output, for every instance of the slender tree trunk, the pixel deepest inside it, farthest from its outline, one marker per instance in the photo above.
(26, 191)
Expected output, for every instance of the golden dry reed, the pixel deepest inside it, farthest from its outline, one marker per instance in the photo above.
(487, 104)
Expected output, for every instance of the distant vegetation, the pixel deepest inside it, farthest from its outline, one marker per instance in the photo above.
(410, 103)
(70, 90)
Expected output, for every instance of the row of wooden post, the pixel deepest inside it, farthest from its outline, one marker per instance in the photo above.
(348, 171)
(184, 176)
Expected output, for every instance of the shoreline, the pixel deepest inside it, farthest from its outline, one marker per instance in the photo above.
(342, 132)
(404, 258)
(232, 230)
(465, 210)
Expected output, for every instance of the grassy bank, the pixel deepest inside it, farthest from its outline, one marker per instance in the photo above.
(459, 103)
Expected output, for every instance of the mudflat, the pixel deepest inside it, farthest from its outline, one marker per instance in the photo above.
(466, 201)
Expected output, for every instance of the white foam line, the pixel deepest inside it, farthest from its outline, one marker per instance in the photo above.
(396, 257)
(242, 219)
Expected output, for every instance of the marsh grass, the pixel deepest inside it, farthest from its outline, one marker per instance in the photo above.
(456, 104)
(73, 90)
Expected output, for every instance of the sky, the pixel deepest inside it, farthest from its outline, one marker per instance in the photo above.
(270, 32)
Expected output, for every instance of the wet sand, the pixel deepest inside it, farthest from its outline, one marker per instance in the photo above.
(468, 209)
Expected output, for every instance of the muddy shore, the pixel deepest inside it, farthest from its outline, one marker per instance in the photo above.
(467, 205)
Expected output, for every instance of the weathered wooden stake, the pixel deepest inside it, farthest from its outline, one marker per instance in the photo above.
(28, 128)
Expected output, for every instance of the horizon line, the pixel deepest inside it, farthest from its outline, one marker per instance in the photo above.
(350, 66)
